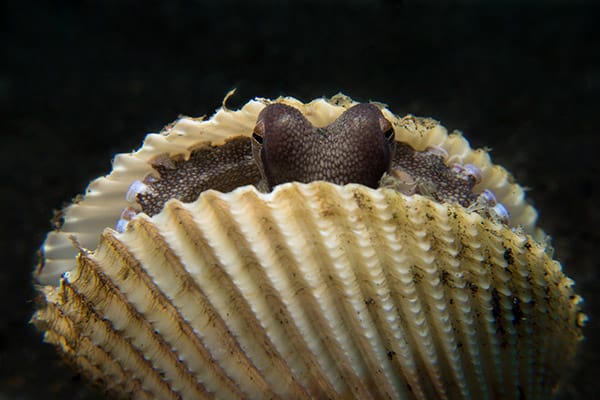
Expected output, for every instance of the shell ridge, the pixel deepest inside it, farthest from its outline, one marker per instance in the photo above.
(507, 294)
(373, 214)
(503, 318)
(462, 304)
(335, 267)
(136, 284)
(209, 203)
(430, 293)
(296, 242)
(480, 283)
(185, 222)
(541, 287)
(138, 287)
(254, 287)
(191, 306)
(61, 331)
(347, 267)
(114, 344)
(417, 259)
(409, 301)
(402, 280)
(434, 220)
(331, 326)
(110, 304)
(383, 304)
(538, 288)
(258, 222)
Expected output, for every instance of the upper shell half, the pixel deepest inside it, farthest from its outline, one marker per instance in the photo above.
(311, 290)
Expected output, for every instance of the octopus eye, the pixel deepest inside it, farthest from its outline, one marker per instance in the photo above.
(257, 138)
(389, 134)
(387, 129)
(259, 132)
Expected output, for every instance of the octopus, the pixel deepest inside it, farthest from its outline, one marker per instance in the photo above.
(322, 250)
(358, 147)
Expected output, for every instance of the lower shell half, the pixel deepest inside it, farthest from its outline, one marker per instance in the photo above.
(316, 291)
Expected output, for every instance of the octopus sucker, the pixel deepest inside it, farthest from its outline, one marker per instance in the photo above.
(323, 250)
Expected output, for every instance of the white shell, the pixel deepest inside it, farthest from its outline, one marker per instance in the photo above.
(312, 290)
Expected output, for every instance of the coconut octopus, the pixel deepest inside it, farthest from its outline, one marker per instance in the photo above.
(327, 250)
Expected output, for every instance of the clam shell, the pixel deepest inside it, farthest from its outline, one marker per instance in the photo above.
(309, 291)
(105, 197)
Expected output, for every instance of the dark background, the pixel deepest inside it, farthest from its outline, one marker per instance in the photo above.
(80, 81)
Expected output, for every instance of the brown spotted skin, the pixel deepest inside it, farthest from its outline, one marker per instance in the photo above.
(358, 147)
(355, 148)
(222, 168)
(434, 178)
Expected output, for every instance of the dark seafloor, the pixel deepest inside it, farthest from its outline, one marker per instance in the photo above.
(83, 80)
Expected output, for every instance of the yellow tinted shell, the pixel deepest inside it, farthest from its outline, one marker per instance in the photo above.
(309, 291)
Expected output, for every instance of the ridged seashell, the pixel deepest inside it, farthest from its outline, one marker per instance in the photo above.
(311, 290)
